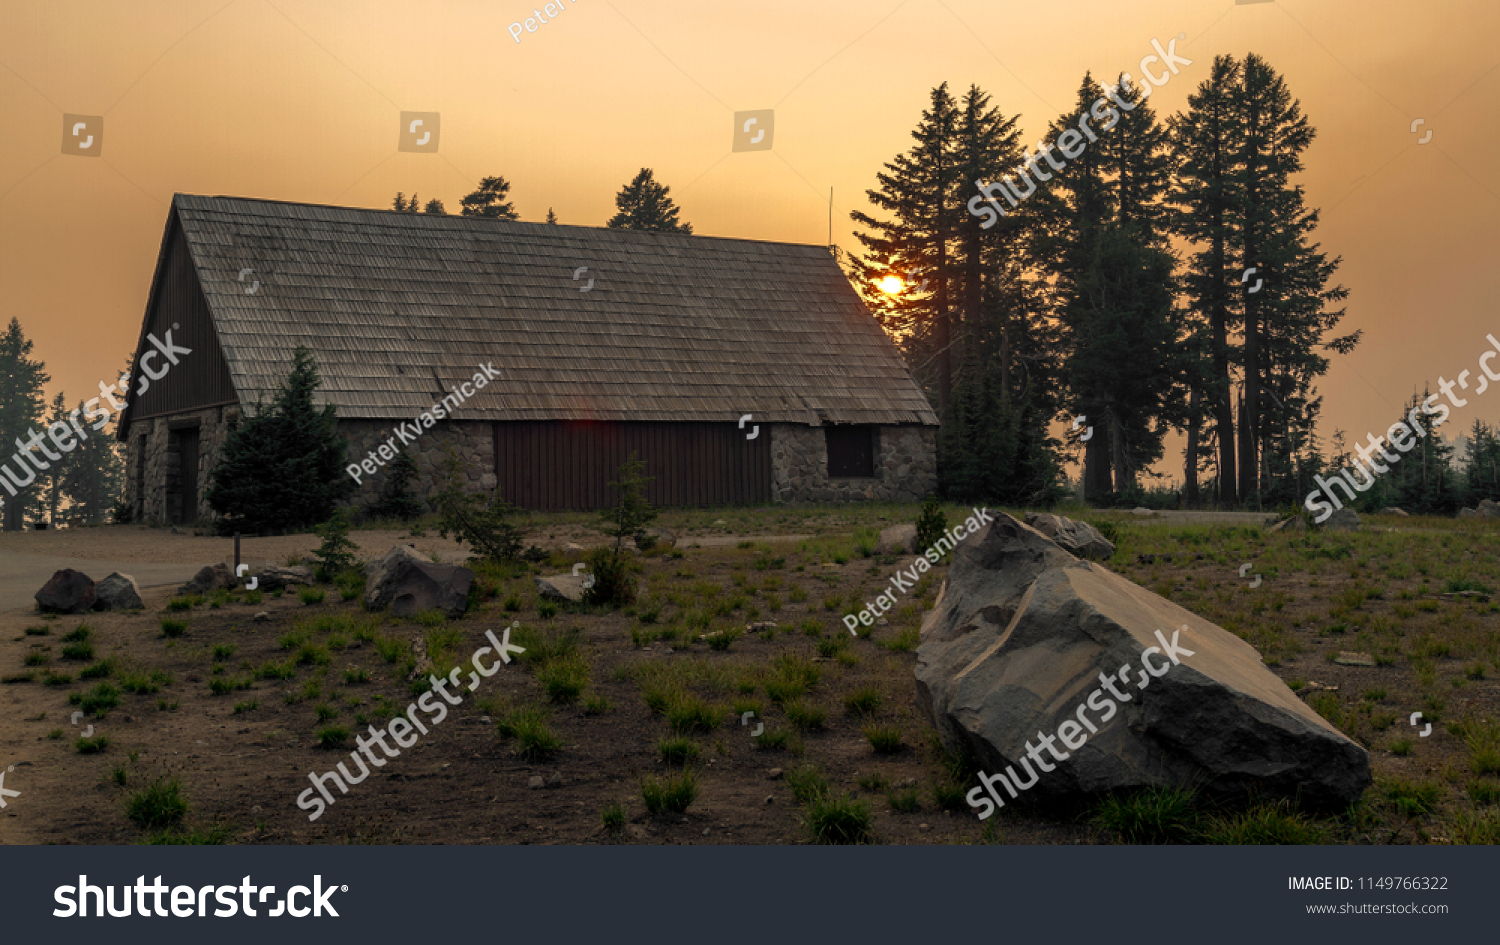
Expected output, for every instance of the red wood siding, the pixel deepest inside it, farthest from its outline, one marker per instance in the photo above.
(569, 464)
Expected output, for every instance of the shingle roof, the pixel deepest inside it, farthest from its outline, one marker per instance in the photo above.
(398, 307)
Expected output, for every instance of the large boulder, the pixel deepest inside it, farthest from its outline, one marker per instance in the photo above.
(117, 592)
(66, 592)
(1017, 650)
(408, 583)
(1467, 513)
(1076, 538)
(208, 579)
(898, 540)
(1487, 508)
(1344, 520)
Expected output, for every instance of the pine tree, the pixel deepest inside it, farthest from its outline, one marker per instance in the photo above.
(1285, 322)
(21, 406)
(551, 217)
(1206, 197)
(96, 480)
(53, 482)
(644, 204)
(920, 189)
(1482, 464)
(434, 206)
(1113, 267)
(403, 204)
(283, 465)
(489, 200)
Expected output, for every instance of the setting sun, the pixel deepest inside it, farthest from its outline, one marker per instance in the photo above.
(890, 285)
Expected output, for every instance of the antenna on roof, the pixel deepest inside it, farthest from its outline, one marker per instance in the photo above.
(830, 219)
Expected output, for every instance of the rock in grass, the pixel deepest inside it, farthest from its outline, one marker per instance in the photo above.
(1488, 508)
(209, 578)
(409, 584)
(1294, 524)
(562, 586)
(898, 540)
(272, 579)
(1344, 520)
(117, 592)
(1015, 648)
(1076, 538)
(66, 592)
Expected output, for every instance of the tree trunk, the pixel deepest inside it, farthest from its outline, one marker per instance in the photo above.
(1190, 464)
(1223, 397)
(1119, 460)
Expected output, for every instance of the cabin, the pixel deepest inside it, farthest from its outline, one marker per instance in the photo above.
(741, 372)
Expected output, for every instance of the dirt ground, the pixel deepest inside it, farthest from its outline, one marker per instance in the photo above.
(244, 756)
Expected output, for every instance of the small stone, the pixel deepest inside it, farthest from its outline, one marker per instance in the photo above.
(705, 831)
(1354, 659)
(570, 547)
(556, 780)
(770, 798)
(882, 622)
(535, 782)
(923, 827)
(773, 774)
(261, 617)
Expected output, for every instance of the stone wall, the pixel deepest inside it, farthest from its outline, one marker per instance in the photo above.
(474, 442)
(155, 442)
(905, 466)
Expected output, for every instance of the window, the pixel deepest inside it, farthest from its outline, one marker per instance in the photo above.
(851, 452)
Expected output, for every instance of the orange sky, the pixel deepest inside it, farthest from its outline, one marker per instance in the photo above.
(301, 99)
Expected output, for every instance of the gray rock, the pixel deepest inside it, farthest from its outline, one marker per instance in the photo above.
(261, 617)
(1017, 642)
(1294, 524)
(117, 592)
(571, 547)
(66, 592)
(1392, 510)
(1467, 513)
(275, 578)
(556, 780)
(1076, 538)
(408, 583)
(536, 782)
(562, 586)
(1344, 520)
(898, 540)
(1488, 508)
(209, 578)
(1143, 512)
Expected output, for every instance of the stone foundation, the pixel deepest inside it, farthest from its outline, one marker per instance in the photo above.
(905, 466)
(905, 462)
(474, 442)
